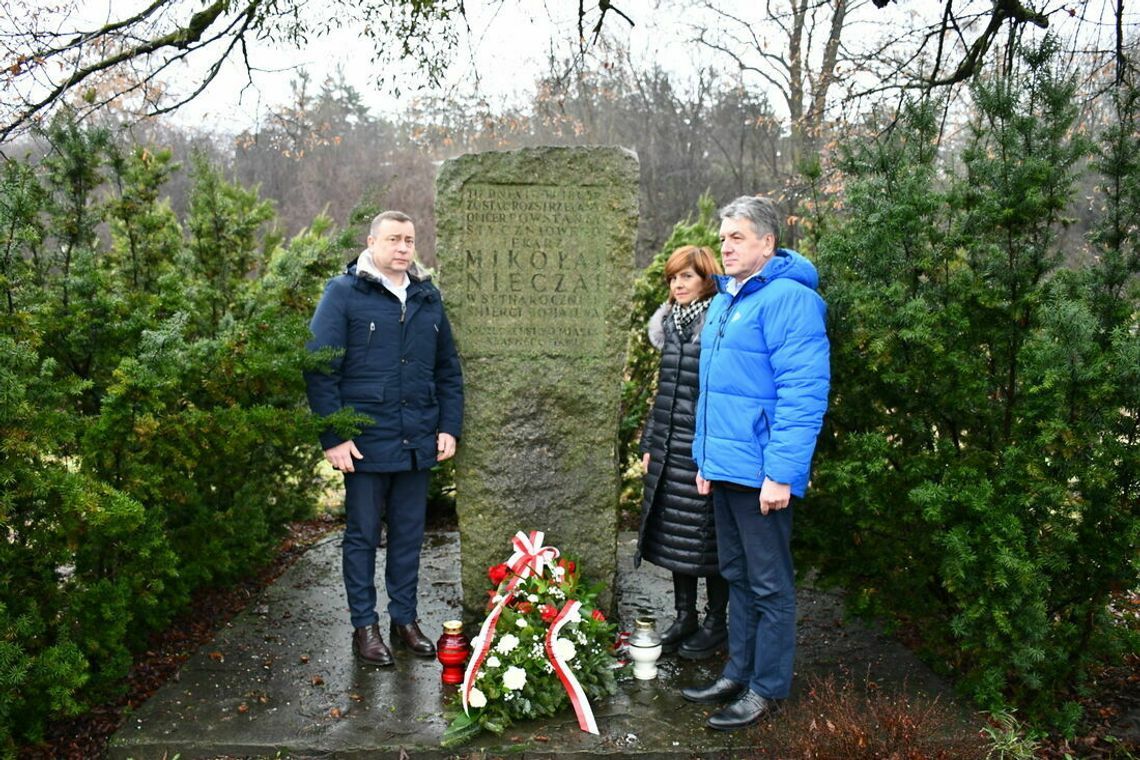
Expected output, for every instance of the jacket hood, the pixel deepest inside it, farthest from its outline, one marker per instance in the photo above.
(656, 326)
(785, 265)
(362, 267)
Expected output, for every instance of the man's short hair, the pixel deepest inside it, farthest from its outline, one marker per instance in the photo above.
(395, 216)
(762, 212)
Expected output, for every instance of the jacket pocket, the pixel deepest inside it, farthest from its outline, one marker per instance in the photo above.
(761, 430)
(356, 393)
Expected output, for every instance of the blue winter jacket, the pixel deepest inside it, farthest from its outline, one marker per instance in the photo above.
(764, 377)
(395, 363)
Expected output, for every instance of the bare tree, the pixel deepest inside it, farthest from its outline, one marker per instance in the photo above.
(792, 47)
(50, 55)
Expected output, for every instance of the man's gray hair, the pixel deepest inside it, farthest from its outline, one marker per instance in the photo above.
(762, 212)
(395, 216)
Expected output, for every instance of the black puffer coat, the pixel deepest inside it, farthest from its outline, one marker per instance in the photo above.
(677, 530)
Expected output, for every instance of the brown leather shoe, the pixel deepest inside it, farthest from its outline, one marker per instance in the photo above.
(413, 638)
(368, 645)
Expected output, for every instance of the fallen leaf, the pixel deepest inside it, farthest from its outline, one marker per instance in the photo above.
(316, 680)
(335, 713)
(243, 708)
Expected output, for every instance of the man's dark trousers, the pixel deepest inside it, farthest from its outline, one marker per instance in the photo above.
(756, 559)
(400, 499)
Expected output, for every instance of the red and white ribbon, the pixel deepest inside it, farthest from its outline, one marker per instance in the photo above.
(577, 695)
(530, 557)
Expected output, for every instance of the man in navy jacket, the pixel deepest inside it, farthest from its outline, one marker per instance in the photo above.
(395, 362)
(764, 378)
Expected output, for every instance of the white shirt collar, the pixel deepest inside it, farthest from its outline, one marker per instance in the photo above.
(733, 286)
(364, 264)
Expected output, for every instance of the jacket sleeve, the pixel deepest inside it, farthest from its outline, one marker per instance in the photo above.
(329, 328)
(796, 334)
(647, 430)
(448, 381)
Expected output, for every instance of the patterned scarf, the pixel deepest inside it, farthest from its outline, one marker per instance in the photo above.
(683, 316)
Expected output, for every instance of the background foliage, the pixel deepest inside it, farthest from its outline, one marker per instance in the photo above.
(155, 437)
(979, 472)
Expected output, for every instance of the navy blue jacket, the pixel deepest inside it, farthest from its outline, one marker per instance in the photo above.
(764, 377)
(395, 363)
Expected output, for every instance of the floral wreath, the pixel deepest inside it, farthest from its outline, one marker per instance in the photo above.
(542, 644)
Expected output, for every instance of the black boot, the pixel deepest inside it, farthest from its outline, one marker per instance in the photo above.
(714, 633)
(685, 600)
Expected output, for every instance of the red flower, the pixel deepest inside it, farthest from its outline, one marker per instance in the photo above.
(598, 615)
(524, 607)
(549, 612)
(567, 565)
(497, 573)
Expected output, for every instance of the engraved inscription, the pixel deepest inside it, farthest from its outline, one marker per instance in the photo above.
(534, 269)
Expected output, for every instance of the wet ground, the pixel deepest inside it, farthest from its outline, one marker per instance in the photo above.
(280, 680)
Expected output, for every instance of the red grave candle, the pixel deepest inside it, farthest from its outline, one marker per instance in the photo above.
(452, 650)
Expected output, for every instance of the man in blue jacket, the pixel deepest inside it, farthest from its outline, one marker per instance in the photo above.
(395, 362)
(764, 377)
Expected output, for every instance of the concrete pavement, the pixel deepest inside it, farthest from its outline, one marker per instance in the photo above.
(280, 681)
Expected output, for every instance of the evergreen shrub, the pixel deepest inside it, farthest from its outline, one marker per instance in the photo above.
(154, 436)
(979, 471)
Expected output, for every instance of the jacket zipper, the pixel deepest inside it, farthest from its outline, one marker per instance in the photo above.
(371, 331)
(403, 310)
(702, 399)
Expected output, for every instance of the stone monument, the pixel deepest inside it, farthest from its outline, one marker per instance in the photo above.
(536, 258)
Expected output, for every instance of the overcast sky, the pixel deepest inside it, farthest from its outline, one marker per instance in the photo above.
(505, 51)
(508, 44)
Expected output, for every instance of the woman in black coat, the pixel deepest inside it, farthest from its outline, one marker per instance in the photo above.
(677, 530)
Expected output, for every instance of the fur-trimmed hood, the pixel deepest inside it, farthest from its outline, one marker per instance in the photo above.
(364, 267)
(656, 325)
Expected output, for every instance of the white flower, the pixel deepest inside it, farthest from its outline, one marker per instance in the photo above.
(559, 572)
(521, 622)
(547, 666)
(480, 674)
(564, 649)
(507, 644)
(557, 593)
(514, 679)
(493, 662)
(532, 598)
(476, 698)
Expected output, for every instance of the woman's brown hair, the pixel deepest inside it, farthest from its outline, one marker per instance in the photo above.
(701, 260)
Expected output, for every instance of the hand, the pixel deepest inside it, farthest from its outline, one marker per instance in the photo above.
(774, 496)
(444, 447)
(645, 462)
(704, 487)
(341, 456)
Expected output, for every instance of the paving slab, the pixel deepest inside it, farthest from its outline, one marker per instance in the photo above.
(279, 680)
